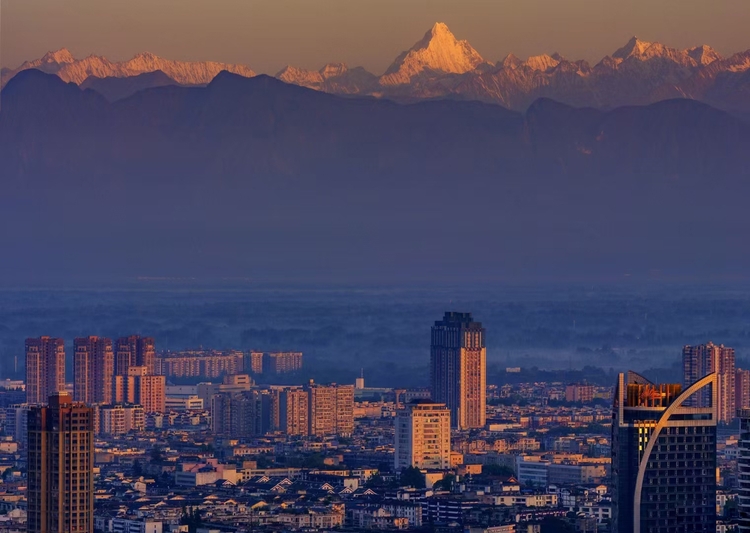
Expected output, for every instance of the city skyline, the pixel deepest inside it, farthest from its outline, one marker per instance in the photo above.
(374, 266)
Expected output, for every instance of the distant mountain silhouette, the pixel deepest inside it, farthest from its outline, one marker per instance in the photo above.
(256, 177)
(441, 66)
(118, 88)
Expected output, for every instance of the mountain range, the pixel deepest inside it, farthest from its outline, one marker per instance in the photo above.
(441, 66)
(261, 178)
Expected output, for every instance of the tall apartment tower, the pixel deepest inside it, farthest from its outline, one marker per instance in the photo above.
(742, 389)
(699, 361)
(281, 362)
(663, 457)
(238, 414)
(60, 467)
(146, 390)
(254, 362)
(45, 369)
(134, 351)
(423, 436)
(458, 369)
(330, 409)
(743, 465)
(93, 370)
(293, 411)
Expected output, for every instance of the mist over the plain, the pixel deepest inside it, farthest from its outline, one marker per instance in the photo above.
(386, 330)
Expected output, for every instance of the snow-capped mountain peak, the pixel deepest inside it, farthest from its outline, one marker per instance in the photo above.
(60, 56)
(331, 70)
(634, 48)
(438, 51)
(542, 62)
(703, 55)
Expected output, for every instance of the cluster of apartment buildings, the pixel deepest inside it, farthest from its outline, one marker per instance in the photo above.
(211, 364)
(310, 410)
(104, 372)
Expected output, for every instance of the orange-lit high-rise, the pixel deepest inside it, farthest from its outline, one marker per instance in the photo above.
(93, 370)
(701, 360)
(458, 369)
(45, 369)
(60, 467)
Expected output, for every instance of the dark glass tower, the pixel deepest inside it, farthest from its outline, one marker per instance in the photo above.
(663, 457)
(743, 474)
(458, 369)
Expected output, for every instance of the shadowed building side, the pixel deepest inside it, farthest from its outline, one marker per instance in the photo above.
(743, 471)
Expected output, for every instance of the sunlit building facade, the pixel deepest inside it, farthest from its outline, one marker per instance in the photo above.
(61, 467)
(423, 436)
(458, 369)
(93, 370)
(703, 359)
(45, 369)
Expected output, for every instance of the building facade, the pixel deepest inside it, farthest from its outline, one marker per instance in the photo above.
(703, 359)
(45, 369)
(237, 414)
(254, 362)
(200, 363)
(330, 409)
(579, 393)
(148, 391)
(60, 467)
(281, 362)
(423, 436)
(663, 457)
(293, 411)
(458, 369)
(93, 370)
(743, 474)
(134, 351)
(742, 389)
(120, 419)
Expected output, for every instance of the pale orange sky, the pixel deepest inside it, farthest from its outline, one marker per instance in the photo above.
(268, 34)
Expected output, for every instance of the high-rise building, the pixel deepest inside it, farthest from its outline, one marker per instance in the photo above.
(458, 369)
(134, 351)
(423, 436)
(237, 414)
(60, 467)
(701, 360)
(16, 420)
(281, 362)
(254, 362)
(45, 369)
(579, 393)
(293, 411)
(148, 390)
(120, 419)
(93, 370)
(330, 409)
(743, 467)
(742, 389)
(663, 457)
(199, 363)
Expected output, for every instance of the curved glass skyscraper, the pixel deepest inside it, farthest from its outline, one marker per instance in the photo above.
(663, 457)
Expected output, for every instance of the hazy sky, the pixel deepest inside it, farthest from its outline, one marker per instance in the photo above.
(268, 34)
